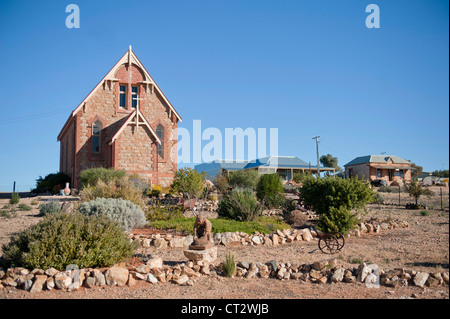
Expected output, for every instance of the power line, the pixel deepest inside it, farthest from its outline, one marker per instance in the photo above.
(34, 116)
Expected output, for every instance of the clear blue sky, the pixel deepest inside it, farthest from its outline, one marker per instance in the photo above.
(306, 67)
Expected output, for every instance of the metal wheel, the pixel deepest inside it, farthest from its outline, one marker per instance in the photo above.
(340, 239)
(328, 244)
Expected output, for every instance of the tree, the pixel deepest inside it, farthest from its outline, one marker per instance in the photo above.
(441, 173)
(416, 171)
(330, 161)
(270, 190)
(243, 179)
(334, 199)
(188, 182)
(416, 190)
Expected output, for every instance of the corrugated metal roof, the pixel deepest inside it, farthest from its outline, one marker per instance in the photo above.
(269, 161)
(377, 159)
(278, 161)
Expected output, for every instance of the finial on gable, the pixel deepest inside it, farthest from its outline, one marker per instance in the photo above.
(129, 56)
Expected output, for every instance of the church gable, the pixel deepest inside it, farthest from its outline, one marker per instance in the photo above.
(115, 126)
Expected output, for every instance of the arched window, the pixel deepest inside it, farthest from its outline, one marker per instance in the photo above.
(96, 128)
(160, 134)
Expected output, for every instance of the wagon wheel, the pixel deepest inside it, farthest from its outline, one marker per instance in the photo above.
(340, 239)
(328, 244)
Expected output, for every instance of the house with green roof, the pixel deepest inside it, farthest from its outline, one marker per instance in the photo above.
(390, 168)
(285, 166)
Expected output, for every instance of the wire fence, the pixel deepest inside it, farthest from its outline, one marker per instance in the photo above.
(438, 200)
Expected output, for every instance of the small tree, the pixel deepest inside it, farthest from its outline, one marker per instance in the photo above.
(270, 190)
(415, 190)
(330, 161)
(334, 199)
(188, 182)
(244, 179)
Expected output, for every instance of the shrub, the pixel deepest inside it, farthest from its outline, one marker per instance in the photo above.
(243, 179)
(91, 176)
(122, 188)
(415, 190)
(270, 190)
(424, 213)
(15, 198)
(24, 207)
(168, 212)
(156, 191)
(49, 208)
(188, 182)
(240, 204)
(51, 183)
(337, 219)
(63, 239)
(335, 199)
(322, 193)
(126, 213)
(229, 266)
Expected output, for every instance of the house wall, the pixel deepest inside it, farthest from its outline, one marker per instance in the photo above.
(370, 172)
(360, 170)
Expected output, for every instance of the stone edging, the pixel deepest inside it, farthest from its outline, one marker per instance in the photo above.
(233, 239)
(153, 271)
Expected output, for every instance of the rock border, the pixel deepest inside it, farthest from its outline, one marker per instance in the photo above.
(233, 239)
(154, 272)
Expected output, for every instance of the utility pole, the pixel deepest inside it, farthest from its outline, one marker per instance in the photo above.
(317, 149)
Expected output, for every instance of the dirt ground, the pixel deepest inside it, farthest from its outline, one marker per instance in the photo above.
(424, 246)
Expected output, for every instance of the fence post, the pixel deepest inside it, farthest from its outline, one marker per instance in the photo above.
(14, 187)
(399, 204)
(442, 207)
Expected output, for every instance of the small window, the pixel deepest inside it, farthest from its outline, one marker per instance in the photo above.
(96, 128)
(134, 96)
(378, 173)
(122, 96)
(402, 175)
(160, 134)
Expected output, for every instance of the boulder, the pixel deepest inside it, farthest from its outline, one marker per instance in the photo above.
(420, 279)
(38, 283)
(338, 275)
(155, 263)
(116, 276)
(159, 243)
(208, 255)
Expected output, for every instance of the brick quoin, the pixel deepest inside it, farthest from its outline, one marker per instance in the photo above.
(123, 144)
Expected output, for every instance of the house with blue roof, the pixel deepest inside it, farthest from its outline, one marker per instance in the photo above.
(285, 166)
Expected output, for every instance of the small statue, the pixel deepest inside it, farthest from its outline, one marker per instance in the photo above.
(202, 233)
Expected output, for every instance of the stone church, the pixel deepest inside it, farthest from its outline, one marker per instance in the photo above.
(126, 122)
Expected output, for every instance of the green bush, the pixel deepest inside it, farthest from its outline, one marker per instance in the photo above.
(335, 198)
(15, 198)
(229, 266)
(337, 219)
(127, 214)
(243, 179)
(51, 183)
(167, 212)
(91, 176)
(322, 193)
(123, 188)
(63, 239)
(49, 208)
(24, 207)
(188, 182)
(240, 204)
(270, 190)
